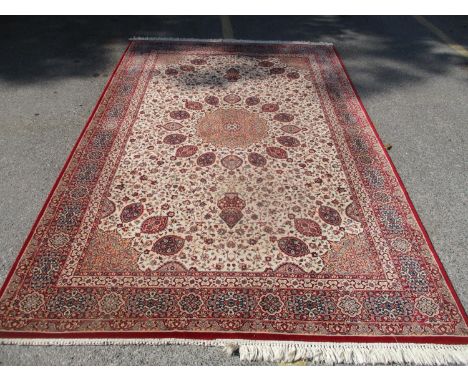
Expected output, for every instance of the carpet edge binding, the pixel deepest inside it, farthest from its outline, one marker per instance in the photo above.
(320, 353)
(148, 37)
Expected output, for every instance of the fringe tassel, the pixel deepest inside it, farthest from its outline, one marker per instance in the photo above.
(319, 353)
(329, 353)
(149, 37)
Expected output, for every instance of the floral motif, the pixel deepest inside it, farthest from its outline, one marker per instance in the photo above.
(271, 303)
(277, 152)
(284, 117)
(308, 227)
(31, 302)
(251, 101)
(288, 141)
(212, 100)
(154, 224)
(71, 303)
(232, 75)
(389, 307)
(427, 306)
(270, 107)
(107, 208)
(391, 219)
(290, 129)
(350, 306)
(45, 271)
(193, 105)
(353, 212)
(232, 99)
(231, 206)
(174, 139)
(231, 162)
(401, 244)
(131, 212)
(329, 215)
(206, 159)
(231, 304)
(292, 246)
(168, 245)
(257, 160)
(111, 303)
(414, 274)
(179, 114)
(149, 304)
(310, 306)
(171, 126)
(190, 303)
(186, 151)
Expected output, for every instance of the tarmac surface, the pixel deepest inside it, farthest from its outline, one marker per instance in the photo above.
(412, 81)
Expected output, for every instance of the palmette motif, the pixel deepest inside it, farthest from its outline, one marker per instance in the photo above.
(229, 188)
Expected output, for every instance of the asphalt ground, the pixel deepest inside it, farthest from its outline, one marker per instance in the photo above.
(412, 78)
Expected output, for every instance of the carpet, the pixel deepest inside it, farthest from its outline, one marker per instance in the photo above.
(234, 194)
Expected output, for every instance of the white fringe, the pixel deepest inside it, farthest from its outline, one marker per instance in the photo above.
(320, 353)
(332, 353)
(225, 40)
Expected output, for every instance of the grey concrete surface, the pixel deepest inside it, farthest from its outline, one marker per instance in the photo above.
(52, 71)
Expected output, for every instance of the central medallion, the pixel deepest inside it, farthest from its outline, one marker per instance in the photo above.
(232, 128)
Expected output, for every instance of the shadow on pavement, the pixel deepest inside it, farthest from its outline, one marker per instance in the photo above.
(398, 49)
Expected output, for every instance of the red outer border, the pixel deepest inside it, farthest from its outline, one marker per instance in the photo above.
(408, 199)
(441, 340)
(59, 178)
(444, 340)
